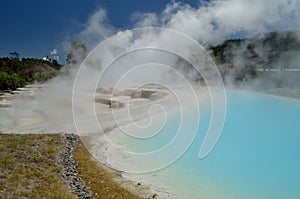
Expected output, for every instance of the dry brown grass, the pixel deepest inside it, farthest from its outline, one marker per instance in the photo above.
(98, 178)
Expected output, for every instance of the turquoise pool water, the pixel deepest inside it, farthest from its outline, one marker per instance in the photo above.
(257, 155)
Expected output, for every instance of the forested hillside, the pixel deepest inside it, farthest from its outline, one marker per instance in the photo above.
(263, 50)
(277, 50)
(250, 58)
(16, 72)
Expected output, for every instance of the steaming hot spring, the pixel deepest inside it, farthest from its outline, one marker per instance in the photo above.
(256, 155)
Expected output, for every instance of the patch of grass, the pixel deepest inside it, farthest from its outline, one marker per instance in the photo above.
(28, 165)
(29, 168)
(98, 178)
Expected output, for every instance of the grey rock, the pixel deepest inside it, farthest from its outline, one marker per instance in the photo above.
(70, 174)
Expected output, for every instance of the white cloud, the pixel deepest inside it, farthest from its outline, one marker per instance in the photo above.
(53, 52)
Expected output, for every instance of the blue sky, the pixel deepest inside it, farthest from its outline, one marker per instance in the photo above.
(34, 27)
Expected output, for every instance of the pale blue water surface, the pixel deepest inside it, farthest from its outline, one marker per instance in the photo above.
(257, 155)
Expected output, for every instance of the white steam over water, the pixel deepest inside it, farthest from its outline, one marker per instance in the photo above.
(138, 57)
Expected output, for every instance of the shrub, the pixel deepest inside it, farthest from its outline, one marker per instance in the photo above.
(11, 82)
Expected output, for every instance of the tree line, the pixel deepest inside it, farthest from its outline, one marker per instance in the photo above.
(271, 50)
(16, 72)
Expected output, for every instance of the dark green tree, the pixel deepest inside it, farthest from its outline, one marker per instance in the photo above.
(14, 55)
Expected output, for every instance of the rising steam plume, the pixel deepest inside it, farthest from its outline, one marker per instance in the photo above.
(210, 24)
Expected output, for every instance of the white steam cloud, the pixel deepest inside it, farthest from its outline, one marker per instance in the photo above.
(96, 29)
(215, 21)
(211, 23)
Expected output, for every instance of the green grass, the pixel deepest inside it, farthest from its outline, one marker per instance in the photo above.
(29, 167)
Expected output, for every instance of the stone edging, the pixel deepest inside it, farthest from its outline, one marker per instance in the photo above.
(69, 172)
